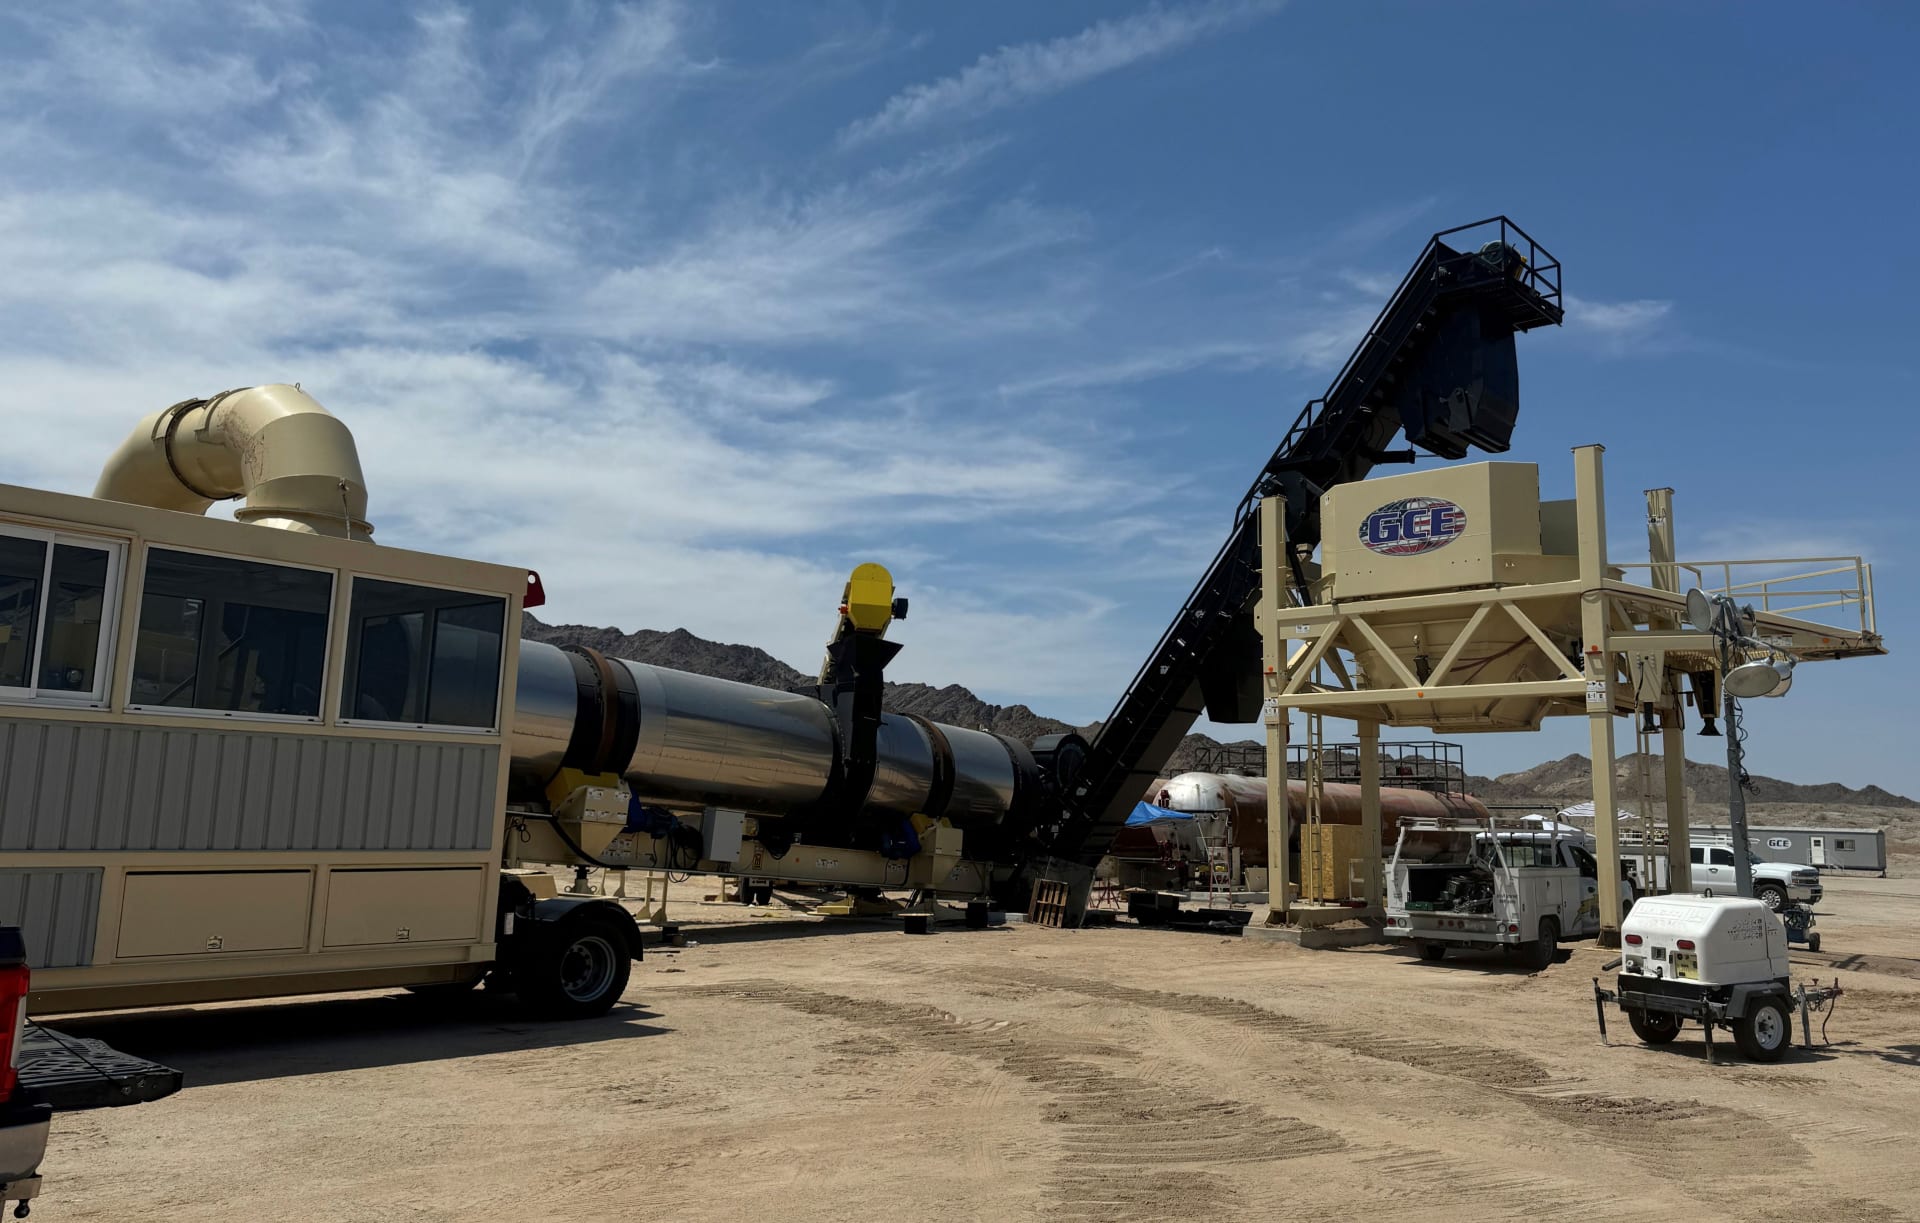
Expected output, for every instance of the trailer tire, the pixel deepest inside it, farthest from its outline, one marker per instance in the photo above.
(1546, 947)
(1771, 895)
(1765, 1032)
(1813, 942)
(1432, 951)
(578, 970)
(1654, 1027)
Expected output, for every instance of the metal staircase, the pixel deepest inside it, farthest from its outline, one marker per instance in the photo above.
(1439, 364)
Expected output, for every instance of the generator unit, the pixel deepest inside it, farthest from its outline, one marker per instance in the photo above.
(1718, 960)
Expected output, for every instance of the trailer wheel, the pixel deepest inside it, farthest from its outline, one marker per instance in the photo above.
(1654, 1027)
(1813, 942)
(1546, 946)
(576, 972)
(1433, 951)
(1771, 895)
(1765, 1031)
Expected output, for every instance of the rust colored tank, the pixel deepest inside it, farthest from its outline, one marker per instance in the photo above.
(1244, 800)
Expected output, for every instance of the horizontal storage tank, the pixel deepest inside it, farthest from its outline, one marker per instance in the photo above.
(684, 740)
(1244, 801)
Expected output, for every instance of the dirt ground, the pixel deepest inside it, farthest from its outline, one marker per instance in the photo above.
(797, 1070)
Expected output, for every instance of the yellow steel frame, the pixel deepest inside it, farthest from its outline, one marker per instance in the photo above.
(1632, 647)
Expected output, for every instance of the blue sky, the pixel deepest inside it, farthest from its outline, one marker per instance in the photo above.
(693, 306)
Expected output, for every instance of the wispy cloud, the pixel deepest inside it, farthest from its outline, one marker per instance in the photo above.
(692, 389)
(1026, 71)
(1374, 225)
(462, 235)
(108, 61)
(1723, 539)
(1617, 319)
(1637, 327)
(1144, 367)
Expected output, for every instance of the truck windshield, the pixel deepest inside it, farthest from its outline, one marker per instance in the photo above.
(1528, 851)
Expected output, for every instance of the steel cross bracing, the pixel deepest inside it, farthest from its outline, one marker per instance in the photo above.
(1438, 363)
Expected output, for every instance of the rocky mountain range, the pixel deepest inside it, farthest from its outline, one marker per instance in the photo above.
(1569, 778)
(1557, 782)
(746, 664)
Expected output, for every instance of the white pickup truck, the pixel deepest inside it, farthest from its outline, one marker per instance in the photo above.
(1775, 884)
(1477, 883)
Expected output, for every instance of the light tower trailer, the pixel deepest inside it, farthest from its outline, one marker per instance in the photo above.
(1720, 961)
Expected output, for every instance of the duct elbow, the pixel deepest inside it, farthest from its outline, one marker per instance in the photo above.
(292, 461)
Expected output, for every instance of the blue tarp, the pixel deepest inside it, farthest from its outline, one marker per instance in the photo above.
(1147, 813)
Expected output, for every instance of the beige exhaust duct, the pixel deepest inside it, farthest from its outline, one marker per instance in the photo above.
(291, 459)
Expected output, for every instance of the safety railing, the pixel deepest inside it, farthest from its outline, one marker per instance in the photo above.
(1404, 763)
(1538, 270)
(1838, 587)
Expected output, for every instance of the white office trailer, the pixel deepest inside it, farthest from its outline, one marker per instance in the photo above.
(1849, 849)
(1827, 849)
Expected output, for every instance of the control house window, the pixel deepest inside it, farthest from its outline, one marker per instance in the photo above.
(231, 636)
(57, 596)
(422, 656)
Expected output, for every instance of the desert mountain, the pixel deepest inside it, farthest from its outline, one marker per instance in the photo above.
(746, 664)
(1568, 778)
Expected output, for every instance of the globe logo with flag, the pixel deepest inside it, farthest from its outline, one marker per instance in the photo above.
(1413, 525)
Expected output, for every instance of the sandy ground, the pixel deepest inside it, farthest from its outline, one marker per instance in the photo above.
(797, 1071)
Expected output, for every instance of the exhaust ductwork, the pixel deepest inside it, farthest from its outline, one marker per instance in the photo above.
(293, 462)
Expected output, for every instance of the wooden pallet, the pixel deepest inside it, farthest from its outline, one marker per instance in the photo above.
(1049, 904)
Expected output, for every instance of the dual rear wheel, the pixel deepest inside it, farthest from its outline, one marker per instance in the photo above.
(576, 970)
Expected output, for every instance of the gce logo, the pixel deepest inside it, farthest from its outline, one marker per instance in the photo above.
(1413, 525)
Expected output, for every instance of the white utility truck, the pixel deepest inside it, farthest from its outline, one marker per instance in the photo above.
(1718, 960)
(1483, 883)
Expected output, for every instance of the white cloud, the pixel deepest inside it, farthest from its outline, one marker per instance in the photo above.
(1375, 225)
(112, 64)
(691, 390)
(571, 84)
(1734, 540)
(1618, 320)
(643, 406)
(1144, 367)
(1026, 71)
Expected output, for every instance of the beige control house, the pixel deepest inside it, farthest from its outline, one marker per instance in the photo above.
(240, 762)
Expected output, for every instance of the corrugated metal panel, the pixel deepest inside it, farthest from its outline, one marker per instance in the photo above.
(115, 786)
(56, 910)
